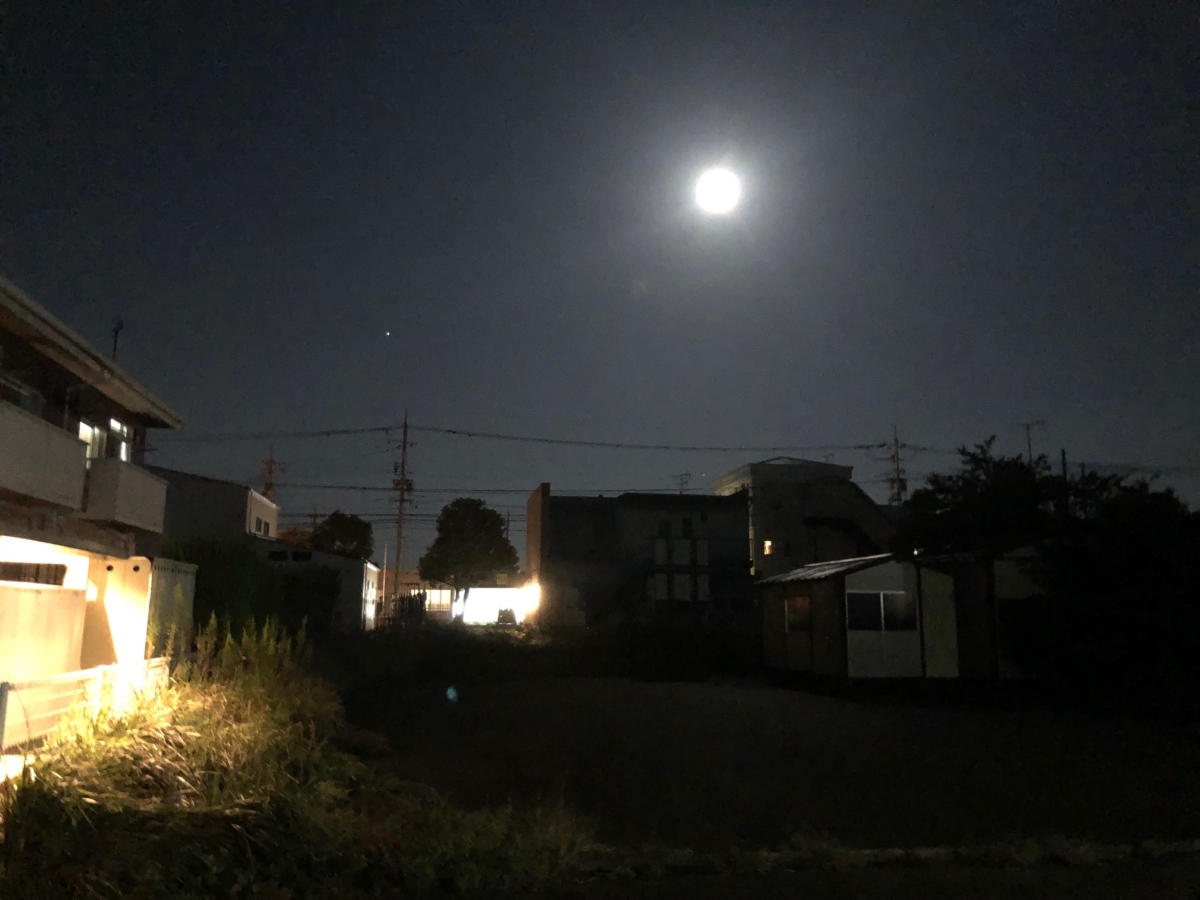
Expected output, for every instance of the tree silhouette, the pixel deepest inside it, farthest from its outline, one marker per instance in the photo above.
(470, 547)
(344, 535)
(1119, 562)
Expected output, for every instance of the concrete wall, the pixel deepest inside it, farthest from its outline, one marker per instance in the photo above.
(118, 611)
(126, 494)
(40, 461)
(41, 630)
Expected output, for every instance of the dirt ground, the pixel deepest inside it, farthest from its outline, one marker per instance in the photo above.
(712, 766)
(1179, 881)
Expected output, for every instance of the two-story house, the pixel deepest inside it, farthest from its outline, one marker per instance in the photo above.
(73, 498)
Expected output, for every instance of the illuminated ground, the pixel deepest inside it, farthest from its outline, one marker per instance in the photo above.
(710, 766)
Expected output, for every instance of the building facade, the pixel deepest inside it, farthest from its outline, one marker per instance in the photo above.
(803, 512)
(198, 506)
(74, 498)
(637, 554)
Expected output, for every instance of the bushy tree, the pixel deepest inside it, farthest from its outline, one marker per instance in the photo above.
(1119, 561)
(344, 535)
(470, 547)
(991, 504)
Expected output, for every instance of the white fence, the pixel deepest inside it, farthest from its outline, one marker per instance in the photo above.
(31, 710)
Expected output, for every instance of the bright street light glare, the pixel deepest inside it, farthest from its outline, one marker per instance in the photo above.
(718, 191)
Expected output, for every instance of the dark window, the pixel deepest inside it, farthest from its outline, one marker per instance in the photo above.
(301, 555)
(687, 527)
(664, 529)
(257, 525)
(799, 613)
(787, 548)
(266, 528)
(863, 612)
(278, 555)
(899, 612)
(33, 573)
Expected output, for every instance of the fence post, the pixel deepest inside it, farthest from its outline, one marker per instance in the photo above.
(4, 689)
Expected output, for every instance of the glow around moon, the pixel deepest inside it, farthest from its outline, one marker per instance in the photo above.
(718, 191)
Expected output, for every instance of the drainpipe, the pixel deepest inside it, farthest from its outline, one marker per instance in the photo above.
(5, 687)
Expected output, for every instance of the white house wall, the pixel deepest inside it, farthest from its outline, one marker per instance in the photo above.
(881, 654)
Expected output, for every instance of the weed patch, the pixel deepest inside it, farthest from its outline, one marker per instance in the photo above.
(230, 781)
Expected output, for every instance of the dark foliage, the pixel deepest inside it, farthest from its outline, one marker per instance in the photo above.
(1119, 561)
(470, 547)
(236, 584)
(344, 535)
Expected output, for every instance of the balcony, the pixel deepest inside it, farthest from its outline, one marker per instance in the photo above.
(40, 461)
(124, 494)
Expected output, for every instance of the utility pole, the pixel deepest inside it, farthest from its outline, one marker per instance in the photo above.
(403, 486)
(383, 586)
(896, 480)
(682, 481)
(272, 466)
(1064, 463)
(1029, 426)
(117, 326)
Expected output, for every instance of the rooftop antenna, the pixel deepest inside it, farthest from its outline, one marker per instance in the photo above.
(1029, 426)
(118, 325)
(682, 480)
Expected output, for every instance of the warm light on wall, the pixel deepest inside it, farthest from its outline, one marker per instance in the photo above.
(21, 550)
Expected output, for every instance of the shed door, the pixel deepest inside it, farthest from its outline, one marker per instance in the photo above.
(940, 624)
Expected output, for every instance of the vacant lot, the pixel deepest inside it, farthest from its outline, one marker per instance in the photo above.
(711, 766)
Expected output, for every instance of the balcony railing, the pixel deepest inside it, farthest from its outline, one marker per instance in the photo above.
(40, 461)
(124, 494)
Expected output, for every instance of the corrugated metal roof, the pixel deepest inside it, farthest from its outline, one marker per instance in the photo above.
(817, 571)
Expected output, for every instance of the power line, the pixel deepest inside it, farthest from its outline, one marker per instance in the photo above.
(495, 436)
(390, 490)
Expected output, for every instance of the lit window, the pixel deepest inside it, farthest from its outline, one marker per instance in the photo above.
(96, 440)
(767, 548)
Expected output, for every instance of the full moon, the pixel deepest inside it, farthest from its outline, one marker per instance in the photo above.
(718, 191)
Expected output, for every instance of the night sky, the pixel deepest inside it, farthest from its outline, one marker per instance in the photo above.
(955, 222)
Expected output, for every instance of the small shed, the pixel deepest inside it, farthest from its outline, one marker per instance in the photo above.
(867, 617)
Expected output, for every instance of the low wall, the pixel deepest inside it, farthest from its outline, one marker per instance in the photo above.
(41, 630)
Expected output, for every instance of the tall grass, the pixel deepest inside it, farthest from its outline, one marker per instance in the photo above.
(229, 782)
